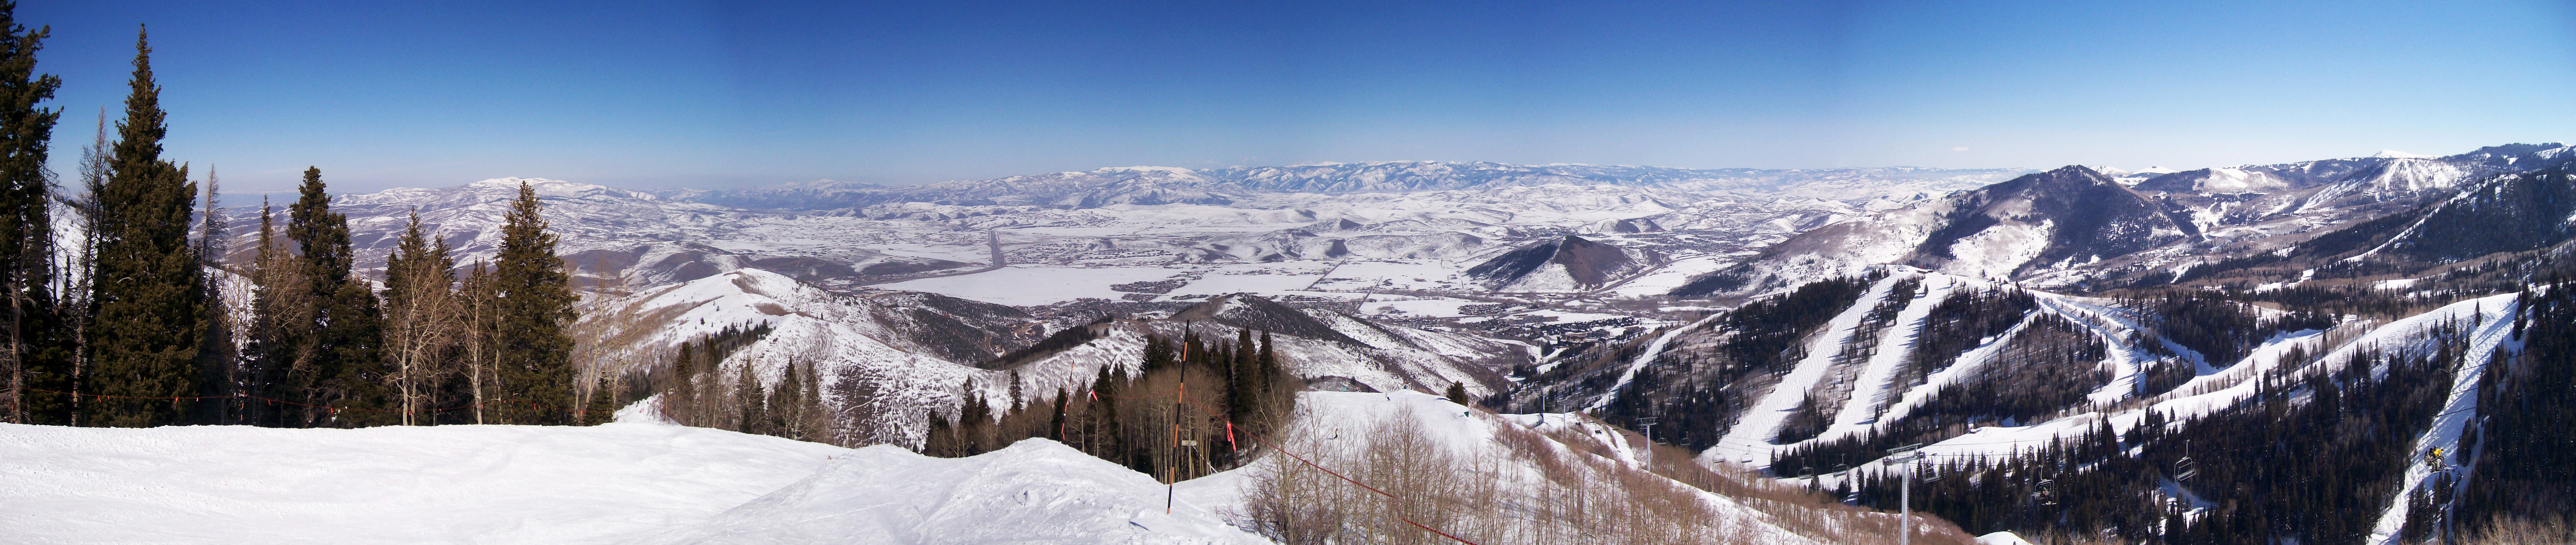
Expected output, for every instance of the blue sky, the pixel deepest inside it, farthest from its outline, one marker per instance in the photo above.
(657, 94)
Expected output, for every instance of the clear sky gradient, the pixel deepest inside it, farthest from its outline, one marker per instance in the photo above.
(660, 94)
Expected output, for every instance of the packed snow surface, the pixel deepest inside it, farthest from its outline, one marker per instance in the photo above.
(1034, 491)
(627, 482)
(450, 484)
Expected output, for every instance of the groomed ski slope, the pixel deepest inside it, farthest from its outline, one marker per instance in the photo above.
(627, 482)
(1749, 442)
(2493, 318)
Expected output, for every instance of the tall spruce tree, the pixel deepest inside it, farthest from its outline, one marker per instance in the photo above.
(148, 299)
(533, 303)
(34, 355)
(348, 330)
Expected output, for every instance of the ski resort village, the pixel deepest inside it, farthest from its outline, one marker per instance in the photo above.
(554, 274)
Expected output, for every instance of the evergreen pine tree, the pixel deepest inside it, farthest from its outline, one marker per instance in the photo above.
(747, 398)
(786, 406)
(1242, 395)
(1019, 398)
(813, 420)
(1158, 354)
(975, 422)
(602, 403)
(35, 354)
(533, 303)
(683, 386)
(348, 328)
(147, 298)
(1056, 425)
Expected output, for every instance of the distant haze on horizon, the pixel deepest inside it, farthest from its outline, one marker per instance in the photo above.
(691, 94)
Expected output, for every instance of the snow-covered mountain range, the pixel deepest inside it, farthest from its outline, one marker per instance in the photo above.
(2080, 228)
(1800, 322)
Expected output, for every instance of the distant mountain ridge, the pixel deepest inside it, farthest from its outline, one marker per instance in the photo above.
(1147, 185)
(2077, 226)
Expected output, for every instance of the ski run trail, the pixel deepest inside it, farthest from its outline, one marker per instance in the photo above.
(2492, 318)
(1750, 441)
(2487, 321)
(1652, 350)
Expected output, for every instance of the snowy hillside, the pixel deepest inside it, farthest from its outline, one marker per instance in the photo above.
(1568, 264)
(914, 352)
(2070, 230)
(1511, 479)
(2047, 220)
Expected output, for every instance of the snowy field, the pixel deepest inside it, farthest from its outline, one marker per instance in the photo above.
(1264, 279)
(1406, 274)
(1026, 285)
(1662, 281)
(1417, 307)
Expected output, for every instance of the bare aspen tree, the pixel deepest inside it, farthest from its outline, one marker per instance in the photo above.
(422, 316)
(478, 319)
(284, 311)
(75, 282)
(610, 341)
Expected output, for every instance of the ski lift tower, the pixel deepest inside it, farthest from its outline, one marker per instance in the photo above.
(1649, 424)
(1906, 455)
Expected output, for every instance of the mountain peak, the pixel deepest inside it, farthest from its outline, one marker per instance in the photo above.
(1569, 263)
(2075, 170)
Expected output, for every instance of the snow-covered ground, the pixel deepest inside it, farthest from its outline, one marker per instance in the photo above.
(1028, 285)
(1341, 425)
(639, 480)
(627, 482)
(449, 484)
